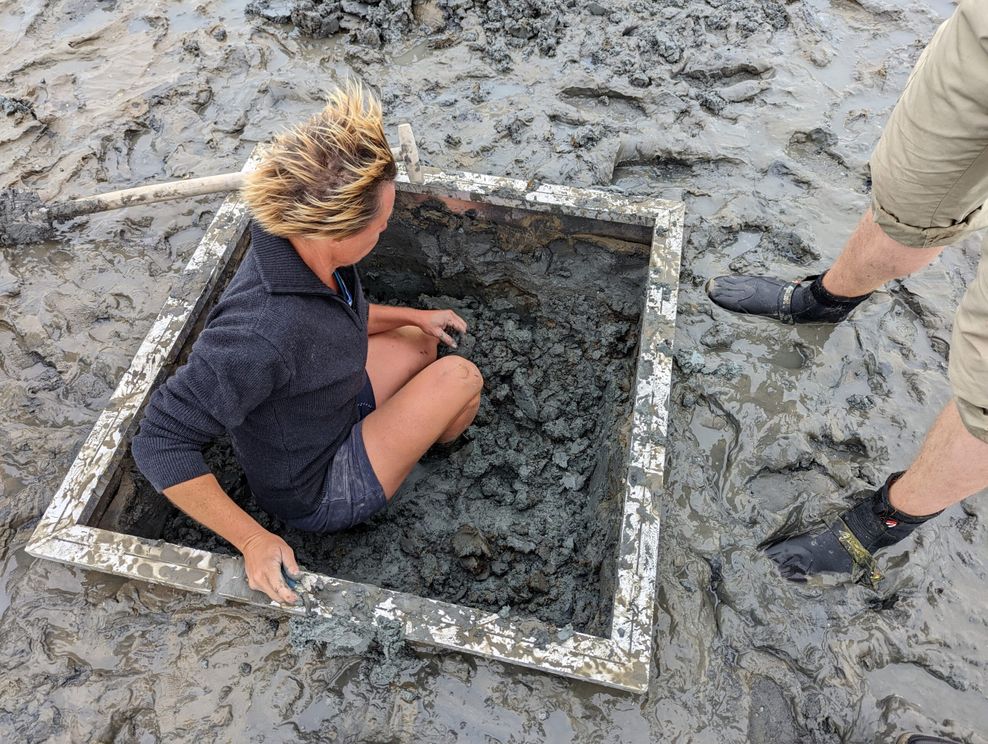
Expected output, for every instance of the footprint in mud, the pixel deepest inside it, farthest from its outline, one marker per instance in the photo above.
(600, 99)
(770, 718)
(794, 357)
(817, 150)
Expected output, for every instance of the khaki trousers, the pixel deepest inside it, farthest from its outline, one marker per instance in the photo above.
(930, 181)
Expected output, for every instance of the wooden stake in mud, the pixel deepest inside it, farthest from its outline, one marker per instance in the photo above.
(146, 195)
(25, 219)
(409, 153)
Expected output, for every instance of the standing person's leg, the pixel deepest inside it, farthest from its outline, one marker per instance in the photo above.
(930, 182)
(952, 463)
(930, 172)
(870, 258)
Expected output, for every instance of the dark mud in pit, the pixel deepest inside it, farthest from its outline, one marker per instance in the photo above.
(522, 512)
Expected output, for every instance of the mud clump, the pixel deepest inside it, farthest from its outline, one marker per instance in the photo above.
(372, 23)
(523, 25)
(351, 630)
(15, 227)
(16, 107)
(473, 550)
(506, 25)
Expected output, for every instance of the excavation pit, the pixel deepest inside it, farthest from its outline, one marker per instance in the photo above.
(533, 539)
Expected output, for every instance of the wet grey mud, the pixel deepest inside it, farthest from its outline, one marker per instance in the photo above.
(16, 227)
(761, 115)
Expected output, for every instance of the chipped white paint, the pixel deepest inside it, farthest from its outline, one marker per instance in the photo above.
(552, 198)
(634, 602)
(622, 661)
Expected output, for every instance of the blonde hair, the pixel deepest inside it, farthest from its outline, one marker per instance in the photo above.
(322, 178)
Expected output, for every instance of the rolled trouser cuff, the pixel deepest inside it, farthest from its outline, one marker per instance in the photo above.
(974, 418)
(926, 237)
(929, 170)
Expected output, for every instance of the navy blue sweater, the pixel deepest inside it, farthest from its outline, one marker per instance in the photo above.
(278, 366)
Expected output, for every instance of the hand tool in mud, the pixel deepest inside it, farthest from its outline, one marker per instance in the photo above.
(296, 586)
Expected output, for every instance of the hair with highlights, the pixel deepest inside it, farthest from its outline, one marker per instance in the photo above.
(322, 178)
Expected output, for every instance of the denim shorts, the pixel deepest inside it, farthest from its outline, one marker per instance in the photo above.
(351, 492)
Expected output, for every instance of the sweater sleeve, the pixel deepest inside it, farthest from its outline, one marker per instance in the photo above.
(229, 373)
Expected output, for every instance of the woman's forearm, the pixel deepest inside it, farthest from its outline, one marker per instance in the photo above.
(382, 318)
(266, 555)
(205, 501)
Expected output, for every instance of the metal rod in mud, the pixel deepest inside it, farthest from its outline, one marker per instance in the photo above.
(158, 192)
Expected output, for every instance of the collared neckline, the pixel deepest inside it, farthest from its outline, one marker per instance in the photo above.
(282, 270)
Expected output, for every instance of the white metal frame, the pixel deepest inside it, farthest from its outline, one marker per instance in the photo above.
(622, 660)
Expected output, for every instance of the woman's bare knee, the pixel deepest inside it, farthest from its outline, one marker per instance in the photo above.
(462, 421)
(458, 374)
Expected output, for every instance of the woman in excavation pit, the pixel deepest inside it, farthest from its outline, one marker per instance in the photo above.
(329, 401)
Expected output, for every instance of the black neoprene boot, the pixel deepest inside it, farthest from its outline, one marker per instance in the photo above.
(805, 301)
(846, 543)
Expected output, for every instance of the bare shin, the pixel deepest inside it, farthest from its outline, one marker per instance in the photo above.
(952, 465)
(870, 258)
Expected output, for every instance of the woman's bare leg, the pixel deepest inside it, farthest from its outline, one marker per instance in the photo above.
(395, 357)
(461, 422)
(436, 405)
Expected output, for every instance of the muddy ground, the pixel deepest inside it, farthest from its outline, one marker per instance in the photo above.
(760, 114)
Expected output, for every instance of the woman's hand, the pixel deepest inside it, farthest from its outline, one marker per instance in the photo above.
(264, 554)
(435, 323)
